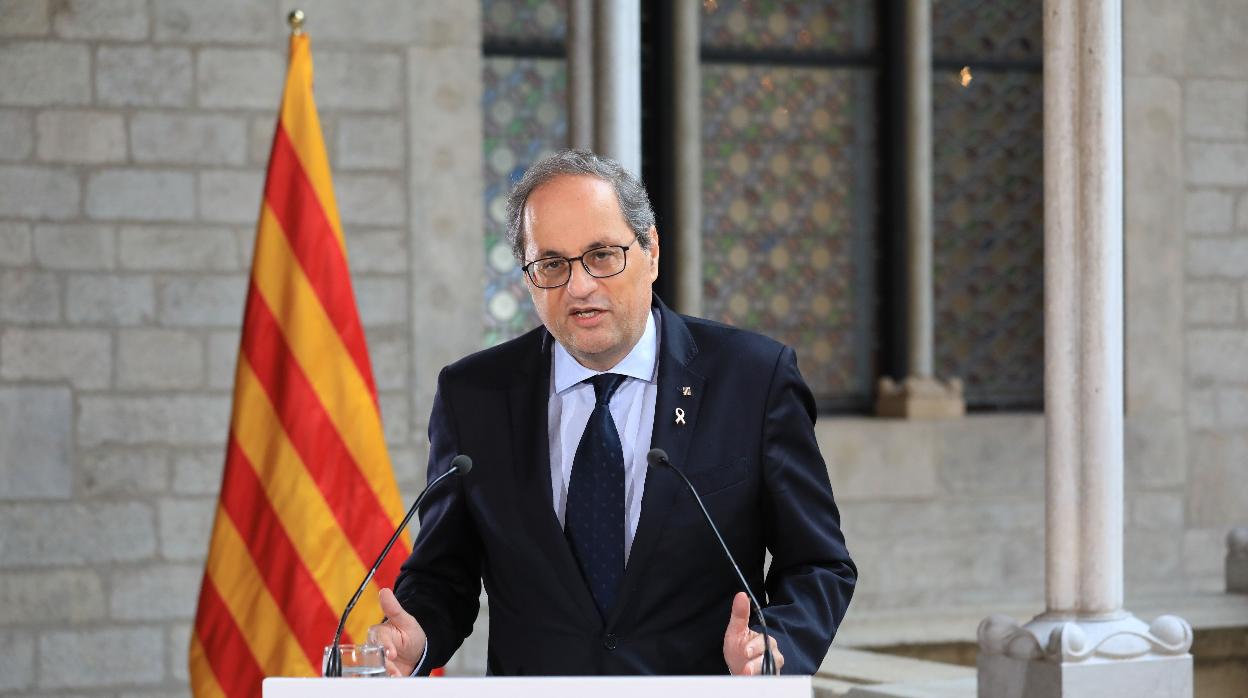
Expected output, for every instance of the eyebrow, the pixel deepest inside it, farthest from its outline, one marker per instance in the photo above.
(589, 246)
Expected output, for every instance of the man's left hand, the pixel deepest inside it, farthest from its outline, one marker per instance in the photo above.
(743, 648)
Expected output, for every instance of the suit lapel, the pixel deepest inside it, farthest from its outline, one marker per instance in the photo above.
(676, 351)
(528, 402)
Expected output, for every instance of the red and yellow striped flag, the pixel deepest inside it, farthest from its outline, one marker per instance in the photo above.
(308, 498)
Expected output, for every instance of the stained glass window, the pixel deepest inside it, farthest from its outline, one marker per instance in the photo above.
(524, 21)
(792, 26)
(988, 191)
(524, 115)
(788, 183)
(987, 29)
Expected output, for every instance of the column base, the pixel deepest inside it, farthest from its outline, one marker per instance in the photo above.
(1058, 656)
(920, 397)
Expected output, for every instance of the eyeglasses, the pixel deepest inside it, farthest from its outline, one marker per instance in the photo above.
(600, 262)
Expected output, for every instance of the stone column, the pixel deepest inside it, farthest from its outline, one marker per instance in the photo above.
(617, 81)
(581, 74)
(1085, 643)
(918, 185)
(920, 395)
(687, 146)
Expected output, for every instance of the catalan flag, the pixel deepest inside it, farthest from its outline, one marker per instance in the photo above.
(308, 498)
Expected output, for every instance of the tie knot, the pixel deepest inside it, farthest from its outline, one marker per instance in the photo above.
(605, 385)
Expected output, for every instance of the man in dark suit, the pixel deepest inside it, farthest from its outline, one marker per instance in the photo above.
(594, 564)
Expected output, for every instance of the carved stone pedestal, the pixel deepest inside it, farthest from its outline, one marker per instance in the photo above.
(920, 398)
(1237, 561)
(1116, 657)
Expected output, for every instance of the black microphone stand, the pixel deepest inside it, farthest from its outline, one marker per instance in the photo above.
(333, 666)
(657, 457)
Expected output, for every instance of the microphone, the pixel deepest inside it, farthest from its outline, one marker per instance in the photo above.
(461, 464)
(657, 458)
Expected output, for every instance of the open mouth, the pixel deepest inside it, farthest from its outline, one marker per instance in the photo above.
(588, 317)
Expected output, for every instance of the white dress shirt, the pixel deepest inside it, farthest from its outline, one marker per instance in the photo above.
(632, 408)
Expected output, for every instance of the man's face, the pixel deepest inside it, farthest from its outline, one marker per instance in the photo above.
(597, 320)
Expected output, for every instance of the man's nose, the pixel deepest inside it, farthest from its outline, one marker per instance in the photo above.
(581, 284)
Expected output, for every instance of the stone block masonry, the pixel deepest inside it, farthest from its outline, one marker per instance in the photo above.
(198, 139)
(80, 136)
(124, 20)
(134, 137)
(1215, 150)
(15, 139)
(39, 193)
(122, 656)
(44, 73)
(144, 195)
(75, 246)
(143, 76)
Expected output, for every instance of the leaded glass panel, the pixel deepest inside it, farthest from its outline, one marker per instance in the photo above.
(787, 201)
(987, 29)
(989, 235)
(541, 21)
(788, 25)
(524, 112)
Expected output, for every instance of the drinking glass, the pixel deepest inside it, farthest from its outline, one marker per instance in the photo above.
(358, 661)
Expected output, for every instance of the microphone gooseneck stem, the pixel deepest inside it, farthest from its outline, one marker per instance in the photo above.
(769, 662)
(333, 665)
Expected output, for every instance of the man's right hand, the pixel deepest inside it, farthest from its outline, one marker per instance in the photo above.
(400, 635)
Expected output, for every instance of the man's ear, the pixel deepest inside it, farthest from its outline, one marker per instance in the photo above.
(654, 252)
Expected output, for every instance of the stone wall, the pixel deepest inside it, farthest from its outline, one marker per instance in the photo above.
(133, 140)
(1186, 89)
(1159, 554)
(940, 514)
(1215, 177)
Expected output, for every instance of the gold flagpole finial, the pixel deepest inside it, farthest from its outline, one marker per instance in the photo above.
(295, 20)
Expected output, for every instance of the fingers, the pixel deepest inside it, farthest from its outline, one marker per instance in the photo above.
(754, 656)
(394, 611)
(743, 648)
(754, 667)
(395, 664)
(739, 621)
(385, 636)
(754, 648)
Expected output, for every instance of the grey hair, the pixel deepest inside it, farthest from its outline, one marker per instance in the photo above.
(629, 192)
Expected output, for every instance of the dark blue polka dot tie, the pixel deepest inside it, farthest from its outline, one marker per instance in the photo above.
(594, 519)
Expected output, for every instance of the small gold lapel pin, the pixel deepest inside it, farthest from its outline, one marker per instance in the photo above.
(680, 416)
(686, 391)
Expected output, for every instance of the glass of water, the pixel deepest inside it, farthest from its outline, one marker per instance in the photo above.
(358, 661)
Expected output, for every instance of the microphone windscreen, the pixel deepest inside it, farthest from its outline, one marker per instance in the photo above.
(463, 463)
(657, 458)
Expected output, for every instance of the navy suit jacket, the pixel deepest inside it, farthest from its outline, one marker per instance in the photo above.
(747, 445)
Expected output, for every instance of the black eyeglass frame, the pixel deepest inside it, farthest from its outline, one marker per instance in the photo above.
(528, 268)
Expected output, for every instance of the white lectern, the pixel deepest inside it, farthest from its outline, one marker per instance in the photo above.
(545, 687)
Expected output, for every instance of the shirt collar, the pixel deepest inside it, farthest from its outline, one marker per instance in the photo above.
(640, 362)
